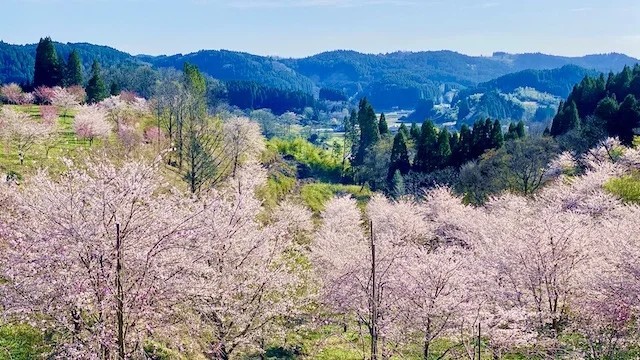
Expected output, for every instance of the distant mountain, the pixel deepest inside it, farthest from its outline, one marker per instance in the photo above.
(394, 80)
(230, 65)
(530, 95)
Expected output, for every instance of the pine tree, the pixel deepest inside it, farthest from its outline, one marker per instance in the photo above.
(399, 156)
(96, 90)
(114, 89)
(383, 127)
(73, 71)
(512, 133)
(497, 139)
(520, 130)
(415, 132)
(351, 135)
(426, 155)
(480, 136)
(566, 120)
(369, 131)
(47, 70)
(557, 126)
(403, 129)
(627, 119)
(461, 152)
(607, 111)
(444, 148)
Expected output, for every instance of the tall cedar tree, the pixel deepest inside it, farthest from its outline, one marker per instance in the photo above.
(405, 131)
(399, 156)
(444, 148)
(461, 152)
(415, 132)
(426, 156)
(351, 136)
(73, 70)
(627, 120)
(47, 70)
(497, 139)
(512, 133)
(383, 127)
(96, 89)
(369, 131)
(521, 131)
(566, 120)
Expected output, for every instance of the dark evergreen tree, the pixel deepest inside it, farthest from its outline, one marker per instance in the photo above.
(383, 127)
(403, 129)
(461, 151)
(607, 111)
(627, 120)
(369, 131)
(444, 148)
(427, 148)
(73, 71)
(512, 133)
(497, 139)
(480, 138)
(114, 89)
(520, 129)
(399, 156)
(96, 90)
(47, 70)
(415, 132)
(566, 120)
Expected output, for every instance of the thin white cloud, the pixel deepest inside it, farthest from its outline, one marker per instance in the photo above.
(581, 9)
(318, 3)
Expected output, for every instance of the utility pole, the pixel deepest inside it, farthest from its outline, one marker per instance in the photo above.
(119, 295)
(374, 307)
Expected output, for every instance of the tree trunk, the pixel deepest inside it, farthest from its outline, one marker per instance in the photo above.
(119, 296)
(427, 340)
(374, 308)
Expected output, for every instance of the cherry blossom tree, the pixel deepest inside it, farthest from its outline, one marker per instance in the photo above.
(154, 135)
(91, 122)
(23, 131)
(436, 294)
(44, 94)
(64, 100)
(129, 137)
(243, 140)
(51, 139)
(245, 279)
(12, 94)
(97, 257)
(79, 93)
(125, 109)
(532, 256)
(361, 278)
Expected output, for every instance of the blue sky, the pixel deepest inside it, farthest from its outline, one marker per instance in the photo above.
(304, 27)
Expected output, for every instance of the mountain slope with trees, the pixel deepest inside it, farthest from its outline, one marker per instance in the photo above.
(394, 80)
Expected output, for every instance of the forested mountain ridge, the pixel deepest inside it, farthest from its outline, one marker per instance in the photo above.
(393, 80)
(528, 95)
(18, 60)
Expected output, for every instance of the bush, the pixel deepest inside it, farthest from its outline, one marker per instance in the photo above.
(316, 195)
(313, 162)
(626, 188)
